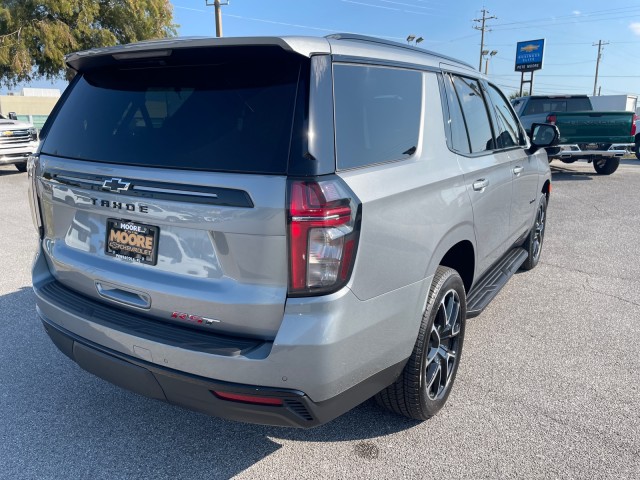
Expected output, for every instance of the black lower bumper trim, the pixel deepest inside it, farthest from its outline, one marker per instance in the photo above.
(195, 393)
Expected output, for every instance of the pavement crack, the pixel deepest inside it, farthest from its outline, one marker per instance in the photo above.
(561, 267)
(589, 274)
(589, 287)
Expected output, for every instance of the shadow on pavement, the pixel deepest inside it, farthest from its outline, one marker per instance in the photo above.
(59, 421)
(561, 174)
(8, 172)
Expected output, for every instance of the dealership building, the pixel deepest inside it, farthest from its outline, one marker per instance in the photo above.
(31, 105)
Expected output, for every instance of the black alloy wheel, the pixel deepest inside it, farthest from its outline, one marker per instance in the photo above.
(535, 239)
(444, 344)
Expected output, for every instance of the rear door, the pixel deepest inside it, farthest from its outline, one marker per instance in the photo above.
(165, 184)
(487, 172)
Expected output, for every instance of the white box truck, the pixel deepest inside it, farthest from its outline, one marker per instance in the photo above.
(614, 102)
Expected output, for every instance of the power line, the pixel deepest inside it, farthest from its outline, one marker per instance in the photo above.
(599, 13)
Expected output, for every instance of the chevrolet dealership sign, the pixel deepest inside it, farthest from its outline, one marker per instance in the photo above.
(529, 55)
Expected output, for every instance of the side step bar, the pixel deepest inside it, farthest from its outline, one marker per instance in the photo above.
(493, 281)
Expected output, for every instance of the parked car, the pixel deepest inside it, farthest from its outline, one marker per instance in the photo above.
(354, 202)
(599, 137)
(18, 140)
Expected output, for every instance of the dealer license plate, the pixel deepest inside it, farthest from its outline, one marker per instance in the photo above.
(132, 241)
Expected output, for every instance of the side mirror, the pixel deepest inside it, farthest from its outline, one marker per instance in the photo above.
(543, 135)
(13, 116)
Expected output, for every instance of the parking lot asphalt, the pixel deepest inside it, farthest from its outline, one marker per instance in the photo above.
(548, 387)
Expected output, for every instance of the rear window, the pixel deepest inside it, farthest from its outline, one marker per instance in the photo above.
(234, 114)
(548, 105)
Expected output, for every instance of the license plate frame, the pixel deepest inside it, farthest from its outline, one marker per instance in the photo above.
(132, 241)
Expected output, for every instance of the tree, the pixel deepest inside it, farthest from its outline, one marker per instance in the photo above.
(516, 94)
(36, 34)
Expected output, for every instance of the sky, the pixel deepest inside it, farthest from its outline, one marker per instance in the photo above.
(570, 29)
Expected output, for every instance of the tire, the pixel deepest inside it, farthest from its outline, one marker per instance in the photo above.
(22, 167)
(552, 151)
(637, 148)
(426, 381)
(535, 239)
(606, 166)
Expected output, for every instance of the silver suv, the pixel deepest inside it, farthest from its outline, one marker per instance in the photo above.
(274, 230)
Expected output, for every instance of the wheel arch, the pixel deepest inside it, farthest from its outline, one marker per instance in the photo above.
(457, 250)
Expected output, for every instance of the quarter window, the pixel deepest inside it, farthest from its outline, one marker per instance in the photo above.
(507, 129)
(378, 112)
(459, 137)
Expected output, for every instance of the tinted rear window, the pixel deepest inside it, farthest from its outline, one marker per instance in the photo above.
(548, 105)
(234, 115)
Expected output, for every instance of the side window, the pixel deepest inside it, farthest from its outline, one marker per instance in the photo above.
(475, 114)
(378, 111)
(508, 132)
(459, 137)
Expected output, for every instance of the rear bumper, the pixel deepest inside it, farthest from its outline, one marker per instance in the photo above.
(196, 393)
(574, 151)
(330, 353)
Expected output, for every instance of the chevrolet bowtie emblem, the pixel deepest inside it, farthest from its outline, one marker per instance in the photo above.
(116, 185)
(529, 48)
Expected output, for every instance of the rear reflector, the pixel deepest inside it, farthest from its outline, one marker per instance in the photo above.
(236, 397)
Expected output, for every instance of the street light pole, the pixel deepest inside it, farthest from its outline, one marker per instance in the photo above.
(486, 62)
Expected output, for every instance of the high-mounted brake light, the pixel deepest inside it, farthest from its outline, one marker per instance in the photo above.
(140, 55)
(552, 119)
(323, 235)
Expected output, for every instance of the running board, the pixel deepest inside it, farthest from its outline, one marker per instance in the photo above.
(493, 281)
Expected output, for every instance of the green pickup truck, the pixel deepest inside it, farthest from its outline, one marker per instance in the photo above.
(598, 137)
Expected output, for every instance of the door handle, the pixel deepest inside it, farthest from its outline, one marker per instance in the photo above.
(125, 297)
(518, 170)
(480, 185)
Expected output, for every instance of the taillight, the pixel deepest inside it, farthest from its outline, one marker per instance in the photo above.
(323, 235)
(552, 119)
(34, 203)
(633, 125)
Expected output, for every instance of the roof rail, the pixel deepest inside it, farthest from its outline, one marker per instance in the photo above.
(391, 43)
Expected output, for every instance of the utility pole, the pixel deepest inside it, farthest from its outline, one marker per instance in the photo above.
(483, 27)
(600, 45)
(217, 4)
